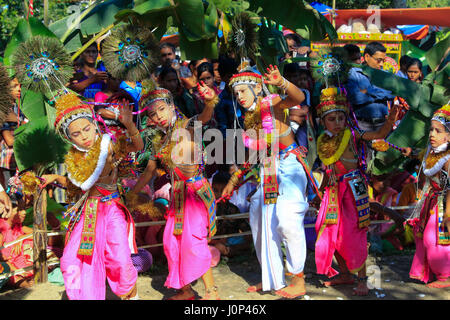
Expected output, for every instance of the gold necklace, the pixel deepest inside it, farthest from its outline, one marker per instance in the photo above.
(330, 149)
(81, 165)
(433, 158)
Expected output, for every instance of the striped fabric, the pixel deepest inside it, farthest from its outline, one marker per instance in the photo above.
(7, 156)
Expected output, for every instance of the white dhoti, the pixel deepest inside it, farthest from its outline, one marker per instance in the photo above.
(282, 223)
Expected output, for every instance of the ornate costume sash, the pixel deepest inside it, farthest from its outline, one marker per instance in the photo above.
(434, 204)
(270, 183)
(204, 192)
(360, 194)
(331, 215)
(178, 204)
(443, 234)
(88, 234)
(207, 195)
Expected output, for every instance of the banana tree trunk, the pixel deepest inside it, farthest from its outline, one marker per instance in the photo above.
(40, 236)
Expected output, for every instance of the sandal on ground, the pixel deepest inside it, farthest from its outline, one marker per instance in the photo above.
(437, 285)
(254, 289)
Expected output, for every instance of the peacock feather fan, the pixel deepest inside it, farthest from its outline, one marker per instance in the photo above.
(6, 98)
(130, 53)
(42, 64)
(330, 66)
(243, 39)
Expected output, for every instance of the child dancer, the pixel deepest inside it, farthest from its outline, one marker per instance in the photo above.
(344, 212)
(100, 238)
(191, 215)
(431, 219)
(278, 207)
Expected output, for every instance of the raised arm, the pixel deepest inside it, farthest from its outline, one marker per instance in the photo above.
(384, 130)
(126, 118)
(145, 177)
(295, 96)
(210, 98)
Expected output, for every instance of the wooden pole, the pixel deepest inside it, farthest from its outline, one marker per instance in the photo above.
(40, 236)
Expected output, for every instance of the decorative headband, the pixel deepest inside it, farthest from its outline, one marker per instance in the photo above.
(69, 108)
(331, 100)
(159, 94)
(442, 115)
(245, 78)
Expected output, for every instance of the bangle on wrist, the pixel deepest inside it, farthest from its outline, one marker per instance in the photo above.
(135, 134)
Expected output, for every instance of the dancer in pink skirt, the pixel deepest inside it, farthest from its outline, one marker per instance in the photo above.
(431, 219)
(100, 237)
(191, 214)
(344, 211)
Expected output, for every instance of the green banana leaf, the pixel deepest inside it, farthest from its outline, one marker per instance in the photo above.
(231, 7)
(272, 44)
(153, 14)
(207, 46)
(188, 16)
(435, 55)
(414, 52)
(33, 104)
(423, 100)
(296, 15)
(75, 28)
(197, 27)
(36, 144)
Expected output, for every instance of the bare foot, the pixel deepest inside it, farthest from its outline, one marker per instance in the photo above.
(255, 288)
(186, 294)
(294, 290)
(439, 284)
(131, 294)
(361, 289)
(342, 278)
(25, 283)
(211, 294)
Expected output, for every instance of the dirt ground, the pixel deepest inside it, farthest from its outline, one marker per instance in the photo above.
(389, 274)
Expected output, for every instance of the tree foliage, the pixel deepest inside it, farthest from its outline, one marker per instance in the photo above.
(385, 4)
(11, 11)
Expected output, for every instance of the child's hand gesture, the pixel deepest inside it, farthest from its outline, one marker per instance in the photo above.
(406, 151)
(273, 76)
(126, 113)
(393, 114)
(206, 92)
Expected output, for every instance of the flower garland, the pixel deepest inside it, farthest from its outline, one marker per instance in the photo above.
(330, 149)
(434, 162)
(253, 120)
(165, 148)
(84, 168)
